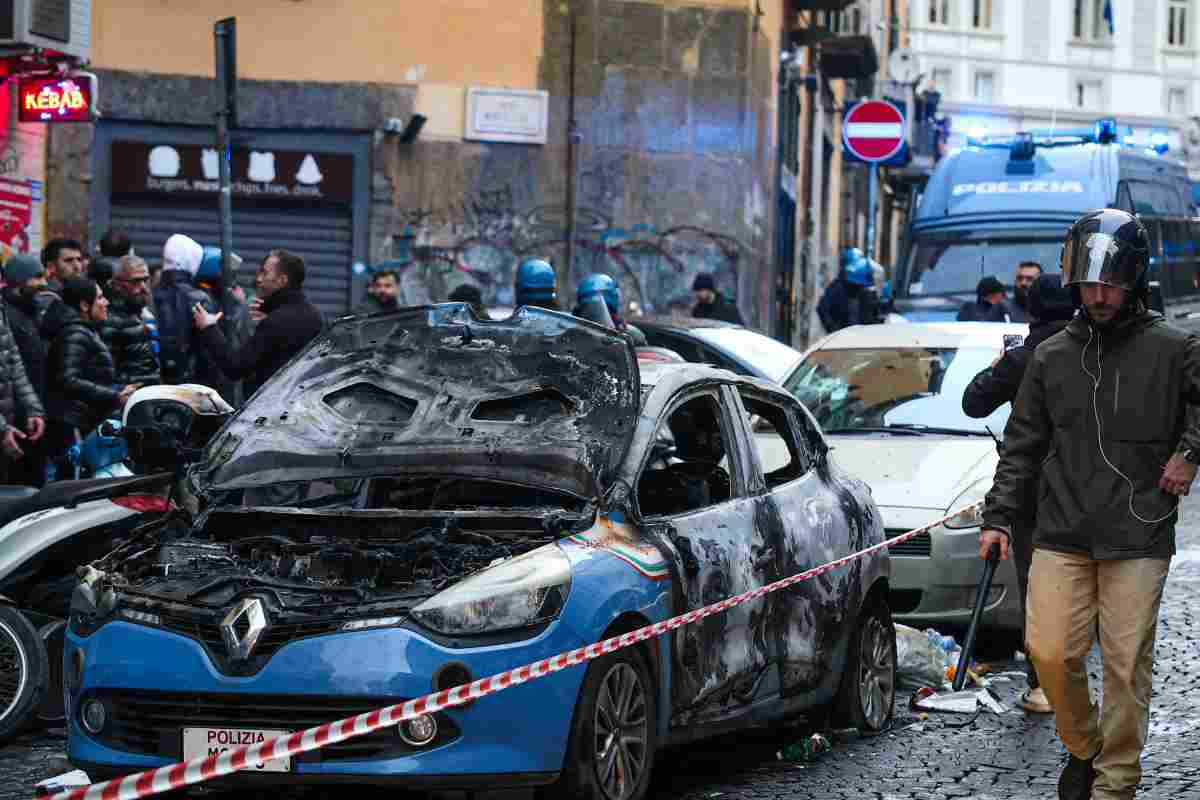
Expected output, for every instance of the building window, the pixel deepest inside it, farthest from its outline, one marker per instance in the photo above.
(942, 78)
(981, 14)
(1177, 23)
(1177, 101)
(845, 23)
(985, 87)
(939, 12)
(1089, 22)
(1089, 95)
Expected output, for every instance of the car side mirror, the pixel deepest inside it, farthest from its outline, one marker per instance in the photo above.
(1156, 297)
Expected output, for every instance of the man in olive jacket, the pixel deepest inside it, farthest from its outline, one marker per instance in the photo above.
(1050, 308)
(1100, 428)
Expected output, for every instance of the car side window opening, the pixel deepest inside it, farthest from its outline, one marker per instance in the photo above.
(689, 467)
(1179, 253)
(774, 437)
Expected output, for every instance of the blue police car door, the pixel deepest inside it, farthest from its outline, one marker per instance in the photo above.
(695, 503)
(805, 525)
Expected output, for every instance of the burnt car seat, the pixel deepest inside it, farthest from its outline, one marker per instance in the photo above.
(695, 479)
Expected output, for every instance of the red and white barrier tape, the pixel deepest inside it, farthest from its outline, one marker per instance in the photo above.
(198, 770)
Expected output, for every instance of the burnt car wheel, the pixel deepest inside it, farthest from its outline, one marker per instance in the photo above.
(868, 692)
(23, 672)
(611, 748)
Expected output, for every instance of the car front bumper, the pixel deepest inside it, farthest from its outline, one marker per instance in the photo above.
(940, 588)
(517, 737)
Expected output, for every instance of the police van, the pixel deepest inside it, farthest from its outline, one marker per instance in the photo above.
(996, 203)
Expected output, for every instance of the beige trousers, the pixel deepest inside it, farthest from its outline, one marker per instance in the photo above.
(1067, 594)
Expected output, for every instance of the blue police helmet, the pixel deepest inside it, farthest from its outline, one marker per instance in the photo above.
(860, 273)
(850, 256)
(536, 280)
(210, 265)
(600, 284)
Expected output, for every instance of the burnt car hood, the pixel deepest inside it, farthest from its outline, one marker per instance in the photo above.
(540, 398)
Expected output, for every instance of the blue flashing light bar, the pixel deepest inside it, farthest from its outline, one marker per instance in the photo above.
(1105, 131)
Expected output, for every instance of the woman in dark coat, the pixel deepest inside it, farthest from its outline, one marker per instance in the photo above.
(81, 389)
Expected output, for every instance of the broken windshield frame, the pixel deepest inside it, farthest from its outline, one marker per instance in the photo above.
(906, 391)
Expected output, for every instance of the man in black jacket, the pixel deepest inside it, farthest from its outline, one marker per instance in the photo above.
(1051, 308)
(126, 331)
(989, 305)
(26, 279)
(291, 322)
(711, 304)
(1101, 431)
(383, 294)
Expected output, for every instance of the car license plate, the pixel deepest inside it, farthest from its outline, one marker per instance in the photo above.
(204, 742)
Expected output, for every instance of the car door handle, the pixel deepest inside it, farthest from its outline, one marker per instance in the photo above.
(1187, 315)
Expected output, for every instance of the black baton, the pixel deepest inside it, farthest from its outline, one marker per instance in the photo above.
(985, 585)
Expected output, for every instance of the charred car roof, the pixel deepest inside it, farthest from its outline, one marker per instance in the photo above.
(540, 398)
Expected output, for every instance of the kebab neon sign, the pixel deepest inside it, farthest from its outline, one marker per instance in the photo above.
(56, 99)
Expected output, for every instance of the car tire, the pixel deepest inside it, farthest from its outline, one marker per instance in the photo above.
(616, 687)
(23, 672)
(867, 696)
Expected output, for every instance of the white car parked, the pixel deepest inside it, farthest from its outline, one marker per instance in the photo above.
(889, 399)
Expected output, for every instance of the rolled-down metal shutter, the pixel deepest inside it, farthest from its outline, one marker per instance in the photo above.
(323, 237)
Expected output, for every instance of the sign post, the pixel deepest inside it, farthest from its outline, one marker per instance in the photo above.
(225, 35)
(873, 131)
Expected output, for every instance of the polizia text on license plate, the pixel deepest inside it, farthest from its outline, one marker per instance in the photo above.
(202, 742)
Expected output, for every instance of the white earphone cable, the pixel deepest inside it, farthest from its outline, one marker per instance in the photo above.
(1099, 438)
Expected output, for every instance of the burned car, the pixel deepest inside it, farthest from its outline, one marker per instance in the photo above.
(424, 498)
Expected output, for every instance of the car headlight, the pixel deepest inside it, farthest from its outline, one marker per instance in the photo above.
(517, 593)
(972, 518)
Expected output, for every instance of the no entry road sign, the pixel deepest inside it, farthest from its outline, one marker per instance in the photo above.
(873, 130)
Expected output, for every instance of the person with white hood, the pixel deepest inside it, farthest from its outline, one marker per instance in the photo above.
(174, 300)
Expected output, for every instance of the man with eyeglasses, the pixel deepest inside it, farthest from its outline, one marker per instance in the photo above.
(129, 331)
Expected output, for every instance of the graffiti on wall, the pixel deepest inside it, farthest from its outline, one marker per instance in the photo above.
(484, 241)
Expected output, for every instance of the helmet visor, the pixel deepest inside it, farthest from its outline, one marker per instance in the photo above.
(1099, 258)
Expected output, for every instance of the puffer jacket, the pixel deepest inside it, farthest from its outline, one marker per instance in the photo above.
(1148, 373)
(81, 378)
(22, 313)
(132, 344)
(17, 395)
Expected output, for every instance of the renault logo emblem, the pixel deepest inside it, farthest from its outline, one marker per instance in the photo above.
(242, 627)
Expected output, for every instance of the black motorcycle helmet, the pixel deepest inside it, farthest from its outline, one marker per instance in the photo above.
(1108, 246)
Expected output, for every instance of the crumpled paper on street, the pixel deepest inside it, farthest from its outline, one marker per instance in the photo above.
(965, 702)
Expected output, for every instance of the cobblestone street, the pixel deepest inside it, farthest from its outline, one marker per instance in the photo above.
(989, 757)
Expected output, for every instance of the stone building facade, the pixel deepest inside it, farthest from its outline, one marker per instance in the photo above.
(672, 172)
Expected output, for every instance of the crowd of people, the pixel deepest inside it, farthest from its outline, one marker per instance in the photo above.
(81, 334)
